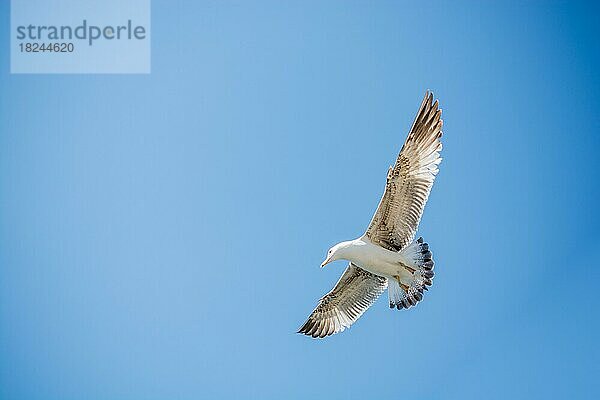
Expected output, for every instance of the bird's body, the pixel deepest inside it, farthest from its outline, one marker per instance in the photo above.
(375, 259)
(387, 256)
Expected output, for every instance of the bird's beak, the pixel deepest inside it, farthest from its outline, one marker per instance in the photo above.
(324, 263)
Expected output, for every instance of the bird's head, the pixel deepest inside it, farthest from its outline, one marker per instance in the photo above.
(337, 252)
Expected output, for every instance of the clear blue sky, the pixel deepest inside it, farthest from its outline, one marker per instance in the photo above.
(160, 235)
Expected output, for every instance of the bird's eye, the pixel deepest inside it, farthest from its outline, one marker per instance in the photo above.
(329, 252)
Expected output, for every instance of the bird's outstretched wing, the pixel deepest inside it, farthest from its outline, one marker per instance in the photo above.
(409, 181)
(354, 293)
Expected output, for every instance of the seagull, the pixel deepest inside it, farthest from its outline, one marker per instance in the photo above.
(387, 256)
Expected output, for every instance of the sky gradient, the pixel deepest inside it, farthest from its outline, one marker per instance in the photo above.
(161, 234)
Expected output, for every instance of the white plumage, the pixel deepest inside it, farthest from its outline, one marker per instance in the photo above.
(386, 255)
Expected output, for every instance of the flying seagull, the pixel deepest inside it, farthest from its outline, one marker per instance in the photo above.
(387, 256)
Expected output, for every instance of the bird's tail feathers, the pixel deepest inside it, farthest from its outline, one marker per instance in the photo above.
(409, 291)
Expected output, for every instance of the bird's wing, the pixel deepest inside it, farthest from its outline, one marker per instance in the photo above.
(356, 290)
(409, 181)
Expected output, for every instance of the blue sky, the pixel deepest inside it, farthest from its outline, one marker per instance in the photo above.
(161, 235)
